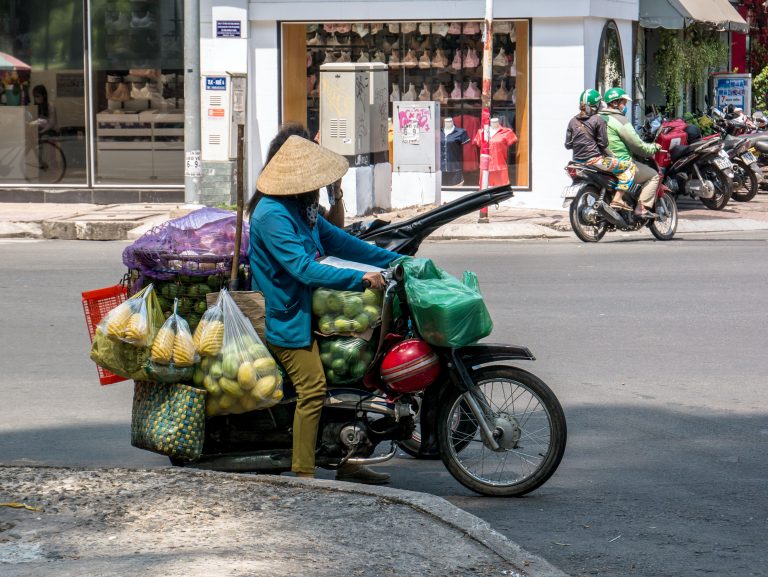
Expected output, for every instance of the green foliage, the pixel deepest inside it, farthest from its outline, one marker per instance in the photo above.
(686, 62)
(760, 90)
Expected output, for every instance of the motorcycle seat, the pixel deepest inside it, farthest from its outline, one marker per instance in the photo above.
(761, 146)
(679, 151)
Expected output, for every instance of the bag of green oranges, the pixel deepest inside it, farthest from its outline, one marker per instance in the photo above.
(346, 312)
(236, 368)
(345, 359)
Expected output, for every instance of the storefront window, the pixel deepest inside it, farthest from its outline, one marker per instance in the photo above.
(42, 96)
(610, 62)
(138, 91)
(428, 61)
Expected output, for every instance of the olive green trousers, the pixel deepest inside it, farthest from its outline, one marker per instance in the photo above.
(308, 377)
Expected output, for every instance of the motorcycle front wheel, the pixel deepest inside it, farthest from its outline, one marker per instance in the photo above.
(665, 226)
(748, 184)
(526, 419)
(585, 220)
(723, 188)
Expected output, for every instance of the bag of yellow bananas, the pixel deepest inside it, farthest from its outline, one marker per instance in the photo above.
(135, 321)
(172, 356)
(236, 368)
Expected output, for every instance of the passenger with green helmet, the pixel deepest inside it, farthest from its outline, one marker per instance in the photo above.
(625, 144)
(587, 136)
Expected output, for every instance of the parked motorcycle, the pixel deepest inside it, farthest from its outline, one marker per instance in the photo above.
(701, 170)
(740, 145)
(500, 430)
(592, 215)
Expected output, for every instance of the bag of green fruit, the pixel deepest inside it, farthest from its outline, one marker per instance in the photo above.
(345, 359)
(346, 312)
(172, 356)
(242, 376)
(135, 321)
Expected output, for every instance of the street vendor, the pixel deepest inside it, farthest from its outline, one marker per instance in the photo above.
(287, 237)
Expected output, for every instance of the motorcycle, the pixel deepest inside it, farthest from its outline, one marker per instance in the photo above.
(592, 215)
(741, 147)
(701, 169)
(499, 429)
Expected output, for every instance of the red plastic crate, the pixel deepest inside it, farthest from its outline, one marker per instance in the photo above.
(96, 304)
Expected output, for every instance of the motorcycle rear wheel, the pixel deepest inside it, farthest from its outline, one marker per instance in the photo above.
(723, 188)
(749, 187)
(515, 399)
(665, 226)
(586, 231)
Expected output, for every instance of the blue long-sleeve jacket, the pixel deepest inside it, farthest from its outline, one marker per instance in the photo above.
(283, 253)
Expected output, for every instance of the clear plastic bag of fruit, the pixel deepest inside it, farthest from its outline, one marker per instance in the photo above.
(345, 359)
(346, 312)
(172, 356)
(135, 321)
(209, 334)
(242, 376)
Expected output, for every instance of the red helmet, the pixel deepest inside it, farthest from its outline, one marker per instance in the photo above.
(410, 366)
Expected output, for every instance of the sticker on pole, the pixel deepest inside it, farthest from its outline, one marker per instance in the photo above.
(192, 166)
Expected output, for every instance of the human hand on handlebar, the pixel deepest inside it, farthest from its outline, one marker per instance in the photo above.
(373, 280)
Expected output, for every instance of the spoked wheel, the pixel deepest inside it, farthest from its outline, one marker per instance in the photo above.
(665, 226)
(723, 188)
(44, 163)
(745, 183)
(526, 420)
(585, 220)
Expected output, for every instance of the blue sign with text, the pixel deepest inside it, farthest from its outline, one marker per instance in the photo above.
(215, 82)
(228, 29)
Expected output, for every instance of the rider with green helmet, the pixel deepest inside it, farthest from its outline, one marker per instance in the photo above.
(587, 136)
(625, 144)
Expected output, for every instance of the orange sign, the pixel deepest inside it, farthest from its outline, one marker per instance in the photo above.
(216, 112)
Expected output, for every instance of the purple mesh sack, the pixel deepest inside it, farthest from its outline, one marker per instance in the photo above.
(199, 244)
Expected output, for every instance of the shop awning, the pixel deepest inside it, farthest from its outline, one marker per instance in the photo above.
(676, 14)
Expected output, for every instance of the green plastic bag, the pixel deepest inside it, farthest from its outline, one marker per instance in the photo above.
(447, 312)
(119, 357)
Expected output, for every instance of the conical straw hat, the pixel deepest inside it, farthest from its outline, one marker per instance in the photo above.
(300, 166)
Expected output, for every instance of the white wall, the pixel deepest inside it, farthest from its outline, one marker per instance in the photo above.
(263, 95)
(557, 76)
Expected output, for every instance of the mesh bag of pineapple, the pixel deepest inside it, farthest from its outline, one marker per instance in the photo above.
(120, 344)
(235, 367)
(135, 321)
(345, 359)
(172, 356)
(346, 312)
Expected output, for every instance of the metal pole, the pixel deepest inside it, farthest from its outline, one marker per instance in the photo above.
(240, 202)
(193, 171)
(485, 99)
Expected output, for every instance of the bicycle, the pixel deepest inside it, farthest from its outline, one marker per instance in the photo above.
(44, 163)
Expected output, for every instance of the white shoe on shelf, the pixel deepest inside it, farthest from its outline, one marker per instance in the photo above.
(363, 57)
(410, 60)
(501, 59)
(456, 92)
(379, 57)
(411, 94)
(472, 92)
(394, 59)
(425, 95)
(441, 94)
(456, 64)
(345, 56)
(424, 61)
(394, 96)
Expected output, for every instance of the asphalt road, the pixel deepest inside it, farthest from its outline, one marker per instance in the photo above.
(656, 350)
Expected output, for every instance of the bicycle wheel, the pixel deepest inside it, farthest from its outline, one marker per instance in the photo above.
(44, 163)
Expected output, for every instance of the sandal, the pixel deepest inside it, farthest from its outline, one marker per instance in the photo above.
(620, 204)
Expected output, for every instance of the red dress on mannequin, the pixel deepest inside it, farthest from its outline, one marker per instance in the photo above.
(501, 140)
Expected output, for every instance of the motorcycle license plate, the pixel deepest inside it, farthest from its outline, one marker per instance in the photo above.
(722, 163)
(571, 191)
(748, 158)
